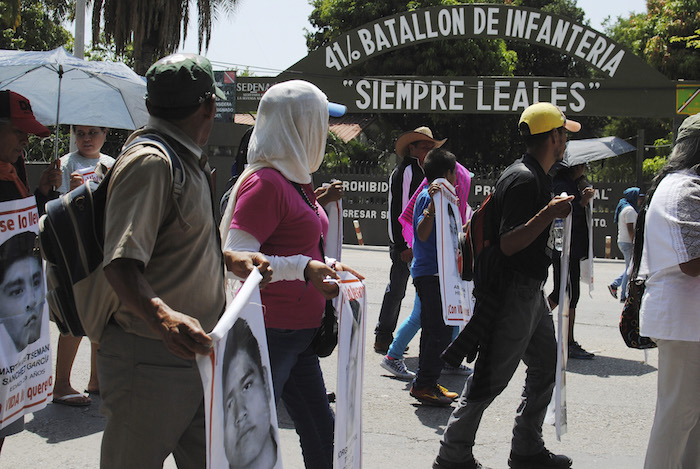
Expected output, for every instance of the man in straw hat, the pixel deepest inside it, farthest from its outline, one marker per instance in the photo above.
(411, 147)
(510, 279)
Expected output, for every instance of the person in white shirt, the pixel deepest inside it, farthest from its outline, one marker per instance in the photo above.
(669, 312)
(626, 219)
(77, 167)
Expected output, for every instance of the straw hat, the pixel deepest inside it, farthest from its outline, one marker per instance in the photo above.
(418, 135)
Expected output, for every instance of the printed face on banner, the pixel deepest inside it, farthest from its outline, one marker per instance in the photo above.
(454, 235)
(455, 293)
(22, 295)
(248, 437)
(239, 404)
(25, 351)
(351, 340)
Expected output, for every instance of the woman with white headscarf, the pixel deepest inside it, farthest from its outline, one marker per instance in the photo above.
(273, 210)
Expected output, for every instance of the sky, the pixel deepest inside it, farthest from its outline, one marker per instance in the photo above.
(267, 36)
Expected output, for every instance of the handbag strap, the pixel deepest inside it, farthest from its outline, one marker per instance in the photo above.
(638, 241)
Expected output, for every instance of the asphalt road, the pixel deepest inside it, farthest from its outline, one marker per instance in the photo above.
(610, 399)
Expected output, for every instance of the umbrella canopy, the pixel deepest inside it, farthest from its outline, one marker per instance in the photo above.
(593, 149)
(66, 90)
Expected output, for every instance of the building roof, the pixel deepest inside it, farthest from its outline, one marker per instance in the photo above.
(346, 128)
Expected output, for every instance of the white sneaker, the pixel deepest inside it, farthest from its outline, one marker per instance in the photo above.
(461, 370)
(397, 367)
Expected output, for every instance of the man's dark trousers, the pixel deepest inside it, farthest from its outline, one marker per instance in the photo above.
(523, 330)
(391, 305)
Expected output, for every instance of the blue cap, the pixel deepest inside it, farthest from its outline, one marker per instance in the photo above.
(336, 110)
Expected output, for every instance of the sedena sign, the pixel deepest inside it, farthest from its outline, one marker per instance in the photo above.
(624, 85)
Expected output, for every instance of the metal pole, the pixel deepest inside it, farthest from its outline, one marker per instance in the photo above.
(640, 156)
(58, 111)
(79, 50)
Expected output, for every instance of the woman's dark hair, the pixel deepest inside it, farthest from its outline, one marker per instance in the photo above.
(685, 155)
(18, 247)
(437, 163)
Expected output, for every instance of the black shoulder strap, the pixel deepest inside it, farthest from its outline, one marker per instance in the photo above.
(160, 142)
(638, 242)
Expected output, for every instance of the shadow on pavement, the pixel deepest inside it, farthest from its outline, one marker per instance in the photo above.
(57, 423)
(603, 367)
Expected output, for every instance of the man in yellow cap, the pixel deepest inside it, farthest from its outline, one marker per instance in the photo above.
(508, 288)
(411, 147)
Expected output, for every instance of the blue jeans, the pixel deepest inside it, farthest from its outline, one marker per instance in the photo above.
(621, 281)
(395, 291)
(298, 381)
(407, 330)
(435, 336)
(523, 330)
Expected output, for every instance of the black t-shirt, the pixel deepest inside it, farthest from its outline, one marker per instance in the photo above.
(521, 192)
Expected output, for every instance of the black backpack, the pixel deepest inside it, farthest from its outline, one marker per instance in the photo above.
(71, 238)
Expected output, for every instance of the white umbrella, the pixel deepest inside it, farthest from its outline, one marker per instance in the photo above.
(66, 90)
(593, 149)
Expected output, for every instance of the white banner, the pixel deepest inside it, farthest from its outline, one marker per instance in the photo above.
(26, 367)
(556, 413)
(241, 417)
(351, 357)
(587, 264)
(455, 292)
(334, 239)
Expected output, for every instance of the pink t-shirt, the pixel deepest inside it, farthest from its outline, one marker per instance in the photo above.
(269, 208)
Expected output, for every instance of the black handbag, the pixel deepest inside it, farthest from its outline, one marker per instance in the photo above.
(326, 338)
(629, 319)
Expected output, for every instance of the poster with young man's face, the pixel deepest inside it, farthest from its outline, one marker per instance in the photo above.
(455, 293)
(351, 346)
(239, 398)
(26, 374)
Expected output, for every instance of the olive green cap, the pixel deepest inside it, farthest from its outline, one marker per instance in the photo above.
(181, 80)
(689, 128)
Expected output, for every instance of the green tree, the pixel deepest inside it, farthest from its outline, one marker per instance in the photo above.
(155, 28)
(665, 37)
(38, 28)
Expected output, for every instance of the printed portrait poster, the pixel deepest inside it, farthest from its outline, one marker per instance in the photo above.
(556, 412)
(241, 417)
(455, 293)
(26, 373)
(351, 349)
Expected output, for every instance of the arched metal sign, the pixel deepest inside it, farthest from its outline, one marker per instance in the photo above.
(625, 84)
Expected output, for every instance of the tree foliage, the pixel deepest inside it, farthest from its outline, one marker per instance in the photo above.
(155, 28)
(38, 27)
(665, 36)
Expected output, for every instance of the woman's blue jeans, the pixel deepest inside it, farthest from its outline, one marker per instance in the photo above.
(298, 381)
(621, 281)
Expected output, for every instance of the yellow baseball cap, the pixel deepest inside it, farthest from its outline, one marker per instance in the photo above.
(543, 117)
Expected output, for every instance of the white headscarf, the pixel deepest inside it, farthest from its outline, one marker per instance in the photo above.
(290, 134)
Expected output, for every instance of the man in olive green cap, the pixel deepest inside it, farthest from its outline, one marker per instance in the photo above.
(163, 258)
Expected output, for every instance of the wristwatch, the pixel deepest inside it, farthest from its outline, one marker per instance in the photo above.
(427, 213)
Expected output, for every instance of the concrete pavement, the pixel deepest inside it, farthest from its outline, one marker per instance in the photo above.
(610, 399)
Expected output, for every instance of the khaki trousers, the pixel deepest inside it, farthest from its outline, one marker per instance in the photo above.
(153, 402)
(675, 436)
